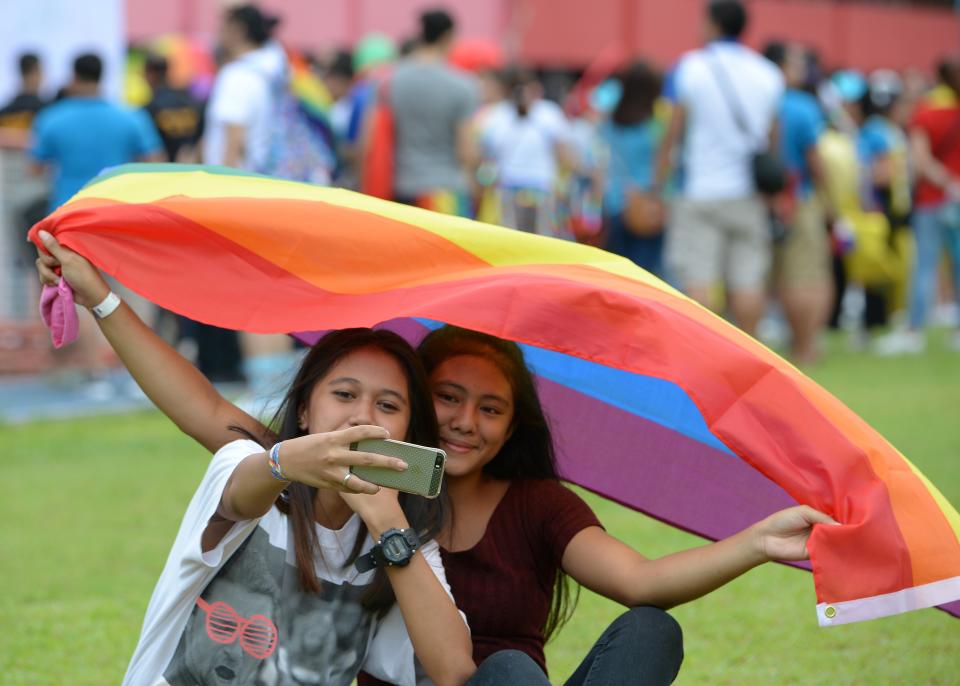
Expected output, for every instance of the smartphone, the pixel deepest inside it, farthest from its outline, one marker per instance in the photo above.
(424, 473)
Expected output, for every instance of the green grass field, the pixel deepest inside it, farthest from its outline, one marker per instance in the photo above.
(90, 508)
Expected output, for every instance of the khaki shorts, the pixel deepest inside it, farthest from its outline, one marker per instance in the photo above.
(804, 256)
(719, 240)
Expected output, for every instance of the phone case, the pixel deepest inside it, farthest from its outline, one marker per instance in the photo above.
(424, 473)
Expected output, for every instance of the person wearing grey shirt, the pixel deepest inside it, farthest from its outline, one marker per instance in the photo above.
(432, 105)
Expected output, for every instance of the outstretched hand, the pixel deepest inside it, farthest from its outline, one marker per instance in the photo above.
(784, 534)
(89, 287)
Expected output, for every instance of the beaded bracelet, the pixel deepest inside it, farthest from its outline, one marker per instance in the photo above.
(273, 458)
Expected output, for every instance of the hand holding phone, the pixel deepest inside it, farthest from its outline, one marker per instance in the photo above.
(424, 472)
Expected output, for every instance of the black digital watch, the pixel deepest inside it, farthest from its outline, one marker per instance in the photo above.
(395, 548)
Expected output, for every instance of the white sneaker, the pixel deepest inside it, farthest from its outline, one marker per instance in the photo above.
(946, 314)
(903, 342)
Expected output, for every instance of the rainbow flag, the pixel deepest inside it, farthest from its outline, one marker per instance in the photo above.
(656, 402)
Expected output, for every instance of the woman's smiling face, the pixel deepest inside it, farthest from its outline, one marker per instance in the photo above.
(474, 403)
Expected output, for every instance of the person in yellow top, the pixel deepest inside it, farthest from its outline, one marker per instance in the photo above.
(19, 112)
(859, 161)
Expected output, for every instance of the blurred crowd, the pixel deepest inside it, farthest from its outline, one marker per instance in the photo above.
(786, 194)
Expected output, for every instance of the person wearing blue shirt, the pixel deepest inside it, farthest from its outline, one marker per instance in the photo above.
(632, 135)
(803, 262)
(83, 134)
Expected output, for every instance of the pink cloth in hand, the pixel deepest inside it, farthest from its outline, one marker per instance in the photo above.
(59, 313)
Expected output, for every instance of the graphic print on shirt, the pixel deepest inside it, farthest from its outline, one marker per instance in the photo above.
(253, 624)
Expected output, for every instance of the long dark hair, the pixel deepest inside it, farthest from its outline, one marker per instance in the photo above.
(528, 452)
(641, 85)
(297, 500)
(257, 26)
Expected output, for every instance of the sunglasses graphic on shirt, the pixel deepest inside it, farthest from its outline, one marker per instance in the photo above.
(258, 635)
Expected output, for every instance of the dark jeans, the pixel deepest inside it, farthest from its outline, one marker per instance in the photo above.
(642, 646)
(218, 351)
(645, 251)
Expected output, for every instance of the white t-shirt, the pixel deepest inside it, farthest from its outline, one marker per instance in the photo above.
(524, 148)
(243, 94)
(237, 613)
(717, 152)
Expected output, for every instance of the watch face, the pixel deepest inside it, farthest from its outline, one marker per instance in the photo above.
(395, 549)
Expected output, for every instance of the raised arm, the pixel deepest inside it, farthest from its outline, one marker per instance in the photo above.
(613, 569)
(174, 385)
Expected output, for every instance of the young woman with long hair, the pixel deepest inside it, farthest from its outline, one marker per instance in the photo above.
(263, 581)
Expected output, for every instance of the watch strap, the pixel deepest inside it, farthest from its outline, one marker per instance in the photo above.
(373, 559)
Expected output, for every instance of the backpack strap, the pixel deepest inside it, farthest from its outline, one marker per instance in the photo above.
(730, 97)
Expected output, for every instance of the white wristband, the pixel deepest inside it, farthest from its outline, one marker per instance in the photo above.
(106, 306)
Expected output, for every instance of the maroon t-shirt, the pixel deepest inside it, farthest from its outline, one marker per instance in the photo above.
(504, 584)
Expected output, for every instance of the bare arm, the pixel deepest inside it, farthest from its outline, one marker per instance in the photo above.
(613, 569)
(440, 638)
(773, 138)
(252, 489)
(468, 152)
(819, 178)
(567, 159)
(235, 146)
(319, 460)
(671, 140)
(881, 171)
(174, 385)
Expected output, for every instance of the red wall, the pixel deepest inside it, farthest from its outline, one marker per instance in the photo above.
(573, 32)
(859, 35)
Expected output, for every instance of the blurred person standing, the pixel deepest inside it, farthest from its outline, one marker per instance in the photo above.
(803, 276)
(237, 133)
(371, 67)
(16, 120)
(237, 119)
(371, 62)
(889, 188)
(177, 117)
(75, 139)
(338, 77)
(432, 105)
(83, 133)
(934, 134)
(482, 182)
(526, 140)
(632, 134)
(719, 229)
(21, 110)
(174, 112)
(337, 74)
(865, 275)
